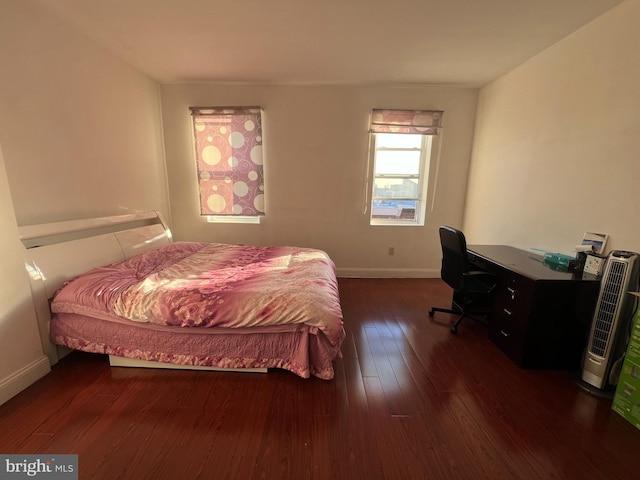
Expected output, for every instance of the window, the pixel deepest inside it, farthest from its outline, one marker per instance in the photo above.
(400, 162)
(228, 144)
(401, 146)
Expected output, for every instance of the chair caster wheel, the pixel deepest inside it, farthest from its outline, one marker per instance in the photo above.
(431, 313)
(454, 330)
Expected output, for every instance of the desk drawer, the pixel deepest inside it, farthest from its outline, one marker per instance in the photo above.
(511, 315)
(513, 299)
(508, 334)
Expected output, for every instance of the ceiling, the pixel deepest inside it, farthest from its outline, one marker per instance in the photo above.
(457, 42)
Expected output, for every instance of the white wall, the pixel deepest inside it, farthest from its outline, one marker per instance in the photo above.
(81, 135)
(557, 142)
(80, 129)
(22, 361)
(315, 149)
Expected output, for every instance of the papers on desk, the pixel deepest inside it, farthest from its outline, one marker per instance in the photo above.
(597, 242)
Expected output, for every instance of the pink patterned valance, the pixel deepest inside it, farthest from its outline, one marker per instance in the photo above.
(228, 143)
(424, 122)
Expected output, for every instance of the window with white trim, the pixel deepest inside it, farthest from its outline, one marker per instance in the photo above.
(401, 150)
(228, 148)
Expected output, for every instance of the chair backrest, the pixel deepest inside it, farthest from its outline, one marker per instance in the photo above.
(454, 257)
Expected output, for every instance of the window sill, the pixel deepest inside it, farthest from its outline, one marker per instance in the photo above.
(234, 219)
(395, 223)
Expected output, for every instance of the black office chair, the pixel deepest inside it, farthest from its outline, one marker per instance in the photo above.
(469, 286)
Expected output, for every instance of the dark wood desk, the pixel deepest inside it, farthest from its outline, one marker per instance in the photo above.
(540, 317)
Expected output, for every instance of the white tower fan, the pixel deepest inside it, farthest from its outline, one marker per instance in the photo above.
(612, 320)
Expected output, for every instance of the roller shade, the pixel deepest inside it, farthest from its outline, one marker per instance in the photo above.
(424, 122)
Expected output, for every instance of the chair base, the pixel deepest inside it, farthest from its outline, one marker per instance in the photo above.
(462, 314)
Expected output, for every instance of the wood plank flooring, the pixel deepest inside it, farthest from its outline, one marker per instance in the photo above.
(409, 401)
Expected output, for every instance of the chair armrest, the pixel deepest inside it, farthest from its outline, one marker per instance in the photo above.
(483, 278)
(479, 273)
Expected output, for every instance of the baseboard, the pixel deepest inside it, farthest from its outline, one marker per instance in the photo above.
(357, 272)
(23, 378)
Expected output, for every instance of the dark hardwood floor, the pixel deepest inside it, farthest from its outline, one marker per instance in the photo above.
(409, 401)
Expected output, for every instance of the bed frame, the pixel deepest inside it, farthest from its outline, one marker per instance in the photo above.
(57, 252)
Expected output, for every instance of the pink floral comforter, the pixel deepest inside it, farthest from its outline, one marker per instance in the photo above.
(189, 284)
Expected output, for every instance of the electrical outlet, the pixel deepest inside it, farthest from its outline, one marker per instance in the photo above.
(391, 251)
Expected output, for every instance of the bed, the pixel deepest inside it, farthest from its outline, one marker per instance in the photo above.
(121, 286)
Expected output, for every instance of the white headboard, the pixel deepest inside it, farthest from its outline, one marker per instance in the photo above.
(57, 252)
